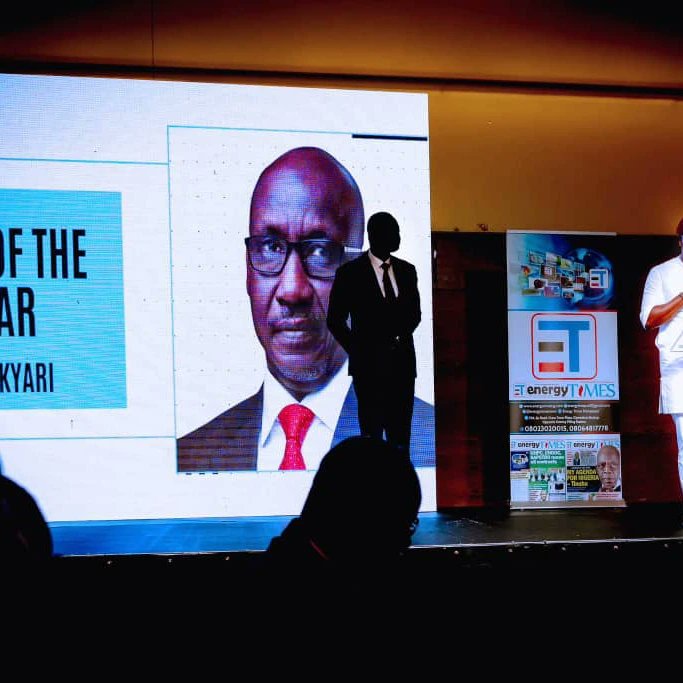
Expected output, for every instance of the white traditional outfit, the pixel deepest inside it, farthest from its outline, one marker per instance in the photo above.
(665, 282)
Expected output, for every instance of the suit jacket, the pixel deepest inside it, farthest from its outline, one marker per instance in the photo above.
(230, 441)
(380, 338)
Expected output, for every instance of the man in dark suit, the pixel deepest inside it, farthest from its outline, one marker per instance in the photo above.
(306, 217)
(377, 293)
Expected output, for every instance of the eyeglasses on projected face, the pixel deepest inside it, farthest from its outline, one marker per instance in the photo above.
(320, 257)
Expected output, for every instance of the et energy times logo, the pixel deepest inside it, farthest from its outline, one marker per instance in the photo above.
(571, 391)
(564, 346)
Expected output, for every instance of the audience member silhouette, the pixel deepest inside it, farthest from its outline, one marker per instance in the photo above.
(24, 534)
(359, 515)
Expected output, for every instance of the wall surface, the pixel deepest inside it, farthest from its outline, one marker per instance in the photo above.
(555, 162)
(547, 41)
(472, 399)
(543, 115)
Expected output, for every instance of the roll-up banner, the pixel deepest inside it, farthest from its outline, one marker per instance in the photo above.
(565, 448)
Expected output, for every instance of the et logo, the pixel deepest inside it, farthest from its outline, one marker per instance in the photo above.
(598, 278)
(564, 346)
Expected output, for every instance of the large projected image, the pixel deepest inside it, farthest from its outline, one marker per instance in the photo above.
(298, 198)
(167, 252)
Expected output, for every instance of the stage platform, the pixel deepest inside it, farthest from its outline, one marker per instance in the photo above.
(642, 537)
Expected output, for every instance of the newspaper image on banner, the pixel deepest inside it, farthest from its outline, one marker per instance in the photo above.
(565, 469)
(563, 370)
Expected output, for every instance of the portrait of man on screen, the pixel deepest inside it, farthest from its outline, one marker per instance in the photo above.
(306, 218)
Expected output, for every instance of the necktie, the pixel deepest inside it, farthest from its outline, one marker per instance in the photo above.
(295, 420)
(389, 293)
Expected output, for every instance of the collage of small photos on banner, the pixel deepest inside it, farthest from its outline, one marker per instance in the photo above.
(565, 448)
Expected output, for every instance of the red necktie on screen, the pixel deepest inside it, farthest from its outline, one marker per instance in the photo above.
(295, 420)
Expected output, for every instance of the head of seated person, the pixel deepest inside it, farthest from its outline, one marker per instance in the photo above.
(24, 534)
(361, 509)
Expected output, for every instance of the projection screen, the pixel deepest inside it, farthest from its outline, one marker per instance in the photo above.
(136, 356)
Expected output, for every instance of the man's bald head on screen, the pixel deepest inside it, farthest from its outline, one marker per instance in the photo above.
(308, 199)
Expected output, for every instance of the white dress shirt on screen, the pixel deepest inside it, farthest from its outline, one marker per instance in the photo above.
(326, 405)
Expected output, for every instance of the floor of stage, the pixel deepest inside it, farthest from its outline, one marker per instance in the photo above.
(470, 539)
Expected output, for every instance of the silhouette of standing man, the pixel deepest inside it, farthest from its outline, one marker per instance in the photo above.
(378, 294)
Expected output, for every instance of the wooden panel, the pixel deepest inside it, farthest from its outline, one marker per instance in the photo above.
(470, 375)
(648, 439)
(470, 341)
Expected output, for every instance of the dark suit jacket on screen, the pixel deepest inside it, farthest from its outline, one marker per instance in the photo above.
(230, 440)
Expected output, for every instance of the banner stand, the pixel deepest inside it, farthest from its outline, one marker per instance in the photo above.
(565, 447)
